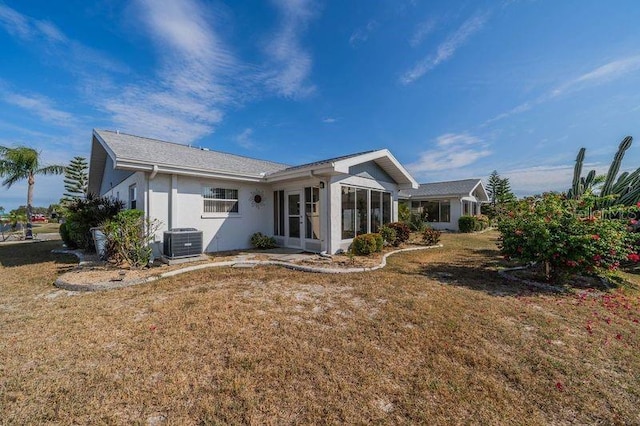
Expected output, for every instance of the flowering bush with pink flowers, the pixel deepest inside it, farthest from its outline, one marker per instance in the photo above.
(567, 237)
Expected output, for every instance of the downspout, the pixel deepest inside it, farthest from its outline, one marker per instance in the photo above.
(152, 175)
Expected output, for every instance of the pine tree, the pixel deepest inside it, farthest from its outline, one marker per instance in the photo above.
(493, 187)
(76, 178)
(504, 194)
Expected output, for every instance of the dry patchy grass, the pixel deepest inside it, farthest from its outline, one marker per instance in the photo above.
(437, 337)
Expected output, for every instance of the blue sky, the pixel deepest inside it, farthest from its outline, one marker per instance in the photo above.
(455, 89)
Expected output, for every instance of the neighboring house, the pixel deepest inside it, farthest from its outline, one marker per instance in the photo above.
(317, 207)
(445, 202)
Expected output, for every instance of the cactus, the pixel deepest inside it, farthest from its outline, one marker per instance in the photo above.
(615, 166)
(576, 190)
(616, 190)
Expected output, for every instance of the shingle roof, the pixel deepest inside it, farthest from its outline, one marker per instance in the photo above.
(153, 151)
(438, 189)
(327, 161)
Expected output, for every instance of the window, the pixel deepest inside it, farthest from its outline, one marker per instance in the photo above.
(220, 200)
(348, 212)
(376, 210)
(445, 211)
(433, 210)
(386, 208)
(363, 211)
(278, 213)
(312, 212)
(437, 211)
(133, 195)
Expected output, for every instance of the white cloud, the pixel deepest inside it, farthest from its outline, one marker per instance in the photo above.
(244, 139)
(447, 49)
(603, 74)
(289, 62)
(422, 31)
(186, 97)
(42, 107)
(544, 178)
(15, 23)
(361, 35)
(56, 42)
(452, 151)
(329, 120)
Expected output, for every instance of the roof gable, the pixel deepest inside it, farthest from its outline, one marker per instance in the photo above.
(457, 188)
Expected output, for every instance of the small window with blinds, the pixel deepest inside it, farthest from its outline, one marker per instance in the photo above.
(219, 200)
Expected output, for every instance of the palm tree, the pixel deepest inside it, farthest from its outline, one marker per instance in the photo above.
(21, 163)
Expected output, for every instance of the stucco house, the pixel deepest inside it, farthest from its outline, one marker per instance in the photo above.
(445, 202)
(316, 207)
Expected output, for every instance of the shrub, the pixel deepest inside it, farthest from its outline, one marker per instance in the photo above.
(388, 235)
(484, 221)
(555, 232)
(404, 212)
(84, 214)
(402, 232)
(66, 237)
(263, 242)
(379, 242)
(129, 234)
(365, 244)
(467, 223)
(431, 237)
(417, 222)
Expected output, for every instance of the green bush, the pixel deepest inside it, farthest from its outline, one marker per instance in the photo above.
(365, 244)
(388, 235)
(83, 214)
(129, 234)
(263, 242)
(565, 236)
(66, 237)
(467, 223)
(431, 237)
(417, 222)
(404, 212)
(379, 241)
(402, 232)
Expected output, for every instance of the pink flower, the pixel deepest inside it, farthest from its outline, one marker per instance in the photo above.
(597, 257)
(595, 237)
(634, 257)
(559, 386)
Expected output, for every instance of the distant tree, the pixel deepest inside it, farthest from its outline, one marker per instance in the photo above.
(76, 178)
(493, 187)
(500, 194)
(23, 163)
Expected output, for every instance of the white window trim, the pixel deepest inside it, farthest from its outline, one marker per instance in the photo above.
(219, 215)
(368, 189)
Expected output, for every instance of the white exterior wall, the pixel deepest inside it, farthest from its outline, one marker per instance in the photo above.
(221, 231)
(335, 207)
(121, 190)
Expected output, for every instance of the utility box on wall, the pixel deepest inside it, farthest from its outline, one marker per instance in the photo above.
(182, 242)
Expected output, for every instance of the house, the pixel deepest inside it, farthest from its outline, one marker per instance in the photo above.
(316, 207)
(445, 202)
